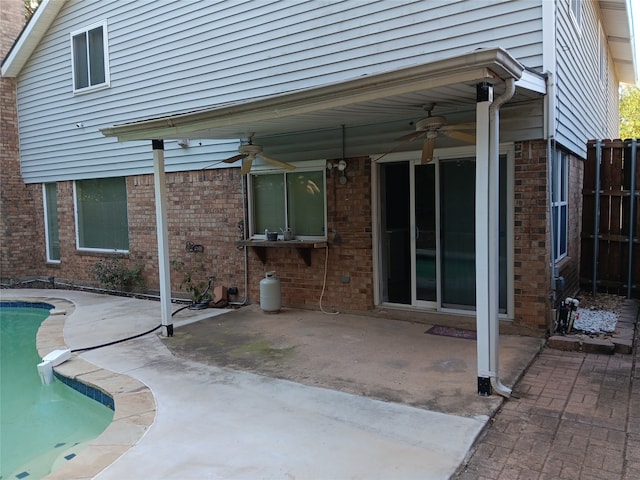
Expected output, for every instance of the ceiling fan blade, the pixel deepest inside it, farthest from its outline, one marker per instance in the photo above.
(235, 158)
(246, 164)
(279, 163)
(427, 150)
(410, 137)
(465, 137)
(459, 126)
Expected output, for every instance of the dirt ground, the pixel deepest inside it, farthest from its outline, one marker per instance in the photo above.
(601, 301)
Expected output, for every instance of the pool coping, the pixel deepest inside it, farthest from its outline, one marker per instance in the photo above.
(134, 404)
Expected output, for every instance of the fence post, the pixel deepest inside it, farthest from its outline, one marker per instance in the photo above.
(632, 213)
(596, 223)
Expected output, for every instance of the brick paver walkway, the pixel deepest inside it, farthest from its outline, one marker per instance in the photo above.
(578, 417)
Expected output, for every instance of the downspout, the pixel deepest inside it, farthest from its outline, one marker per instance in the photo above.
(494, 234)
(551, 151)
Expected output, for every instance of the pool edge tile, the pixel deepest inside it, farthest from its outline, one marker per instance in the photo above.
(133, 402)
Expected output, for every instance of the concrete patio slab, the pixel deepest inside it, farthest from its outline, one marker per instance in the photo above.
(343, 396)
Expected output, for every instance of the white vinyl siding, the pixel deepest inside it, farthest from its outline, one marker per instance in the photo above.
(602, 55)
(586, 106)
(203, 54)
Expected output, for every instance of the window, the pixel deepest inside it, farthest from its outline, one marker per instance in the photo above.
(90, 58)
(559, 195)
(294, 200)
(602, 56)
(575, 7)
(51, 232)
(101, 214)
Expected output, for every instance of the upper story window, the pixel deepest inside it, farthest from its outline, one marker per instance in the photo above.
(575, 7)
(602, 56)
(90, 58)
(295, 200)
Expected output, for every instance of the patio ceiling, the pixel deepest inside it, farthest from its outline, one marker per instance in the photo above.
(373, 99)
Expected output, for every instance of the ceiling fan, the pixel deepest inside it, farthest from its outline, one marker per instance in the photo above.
(249, 152)
(433, 127)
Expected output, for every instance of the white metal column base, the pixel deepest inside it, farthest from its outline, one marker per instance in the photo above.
(484, 386)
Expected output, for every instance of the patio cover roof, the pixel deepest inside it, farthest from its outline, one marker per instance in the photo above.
(390, 96)
(362, 101)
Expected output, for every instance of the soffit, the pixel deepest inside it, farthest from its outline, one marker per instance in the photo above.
(616, 15)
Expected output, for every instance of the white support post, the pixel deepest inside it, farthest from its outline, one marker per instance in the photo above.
(162, 230)
(483, 246)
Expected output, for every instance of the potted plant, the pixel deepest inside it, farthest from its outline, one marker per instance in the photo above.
(198, 289)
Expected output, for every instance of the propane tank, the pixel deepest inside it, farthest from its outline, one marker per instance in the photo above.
(270, 293)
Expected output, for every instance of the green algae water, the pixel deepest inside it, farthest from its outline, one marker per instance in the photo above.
(41, 426)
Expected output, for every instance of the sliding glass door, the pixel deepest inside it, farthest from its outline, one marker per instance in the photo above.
(427, 238)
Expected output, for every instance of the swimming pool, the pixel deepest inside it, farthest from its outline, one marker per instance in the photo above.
(41, 426)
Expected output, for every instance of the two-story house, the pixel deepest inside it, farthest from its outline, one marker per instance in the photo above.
(426, 156)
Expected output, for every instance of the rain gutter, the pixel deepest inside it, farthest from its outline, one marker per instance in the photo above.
(492, 65)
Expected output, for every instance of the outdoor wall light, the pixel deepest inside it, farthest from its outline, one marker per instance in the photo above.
(341, 165)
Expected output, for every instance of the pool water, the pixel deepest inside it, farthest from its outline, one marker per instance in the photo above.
(40, 425)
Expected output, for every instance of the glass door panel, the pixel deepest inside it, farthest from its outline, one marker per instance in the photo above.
(395, 237)
(428, 234)
(457, 233)
(425, 253)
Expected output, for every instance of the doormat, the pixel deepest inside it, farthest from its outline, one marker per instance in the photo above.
(452, 332)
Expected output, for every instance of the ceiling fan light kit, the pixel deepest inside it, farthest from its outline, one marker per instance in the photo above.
(431, 128)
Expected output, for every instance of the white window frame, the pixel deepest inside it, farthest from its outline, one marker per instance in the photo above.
(575, 12)
(308, 166)
(602, 55)
(560, 203)
(47, 232)
(105, 50)
(77, 225)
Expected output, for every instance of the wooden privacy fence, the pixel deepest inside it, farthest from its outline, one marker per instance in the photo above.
(610, 248)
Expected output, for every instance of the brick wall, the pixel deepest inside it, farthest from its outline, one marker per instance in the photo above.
(532, 271)
(19, 240)
(205, 208)
(11, 21)
(349, 271)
